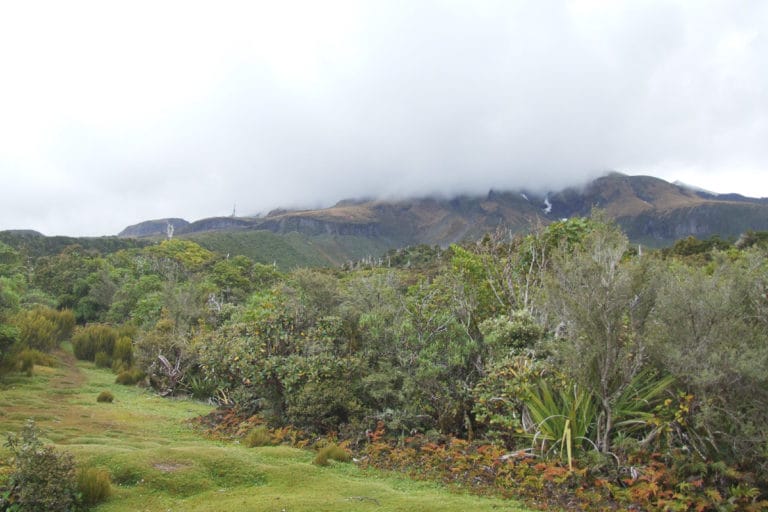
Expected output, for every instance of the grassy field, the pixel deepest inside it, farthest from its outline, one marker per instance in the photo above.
(158, 463)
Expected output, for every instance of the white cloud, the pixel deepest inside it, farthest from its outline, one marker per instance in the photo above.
(114, 113)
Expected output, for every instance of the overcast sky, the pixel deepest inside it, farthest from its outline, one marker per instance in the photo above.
(112, 113)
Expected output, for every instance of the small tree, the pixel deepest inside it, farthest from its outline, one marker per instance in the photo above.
(603, 302)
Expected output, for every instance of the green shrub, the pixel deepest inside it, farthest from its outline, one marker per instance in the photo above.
(119, 366)
(130, 377)
(42, 478)
(123, 350)
(102, 360)
(8, 342)
(331, 452)
(28, 358)
(27, 362)
(94, 485)
(63, 322)
(36, 330)
(511, 333)
(92, 339)
(200, 387)
(258, 436)
(105, 397)
(43, 328)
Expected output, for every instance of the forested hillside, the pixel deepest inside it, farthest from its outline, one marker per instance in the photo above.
(565, 366)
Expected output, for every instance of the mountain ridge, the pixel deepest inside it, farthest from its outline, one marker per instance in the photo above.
(650, 209)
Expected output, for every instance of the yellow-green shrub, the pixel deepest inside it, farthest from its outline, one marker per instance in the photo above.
(258, 436)
(130, 377)
(93, 338)
(94, 485)
(123, 350)
(28, 358)
(102, 360)
(332, 452)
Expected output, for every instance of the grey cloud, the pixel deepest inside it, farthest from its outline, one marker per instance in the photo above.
(397, 99)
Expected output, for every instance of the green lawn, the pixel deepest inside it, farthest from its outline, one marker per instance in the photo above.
(157, 463)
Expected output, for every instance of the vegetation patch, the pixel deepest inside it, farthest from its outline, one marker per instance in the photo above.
(259, 436)
(105, 397)
(563, 363)
(331, 452)
(94, 485)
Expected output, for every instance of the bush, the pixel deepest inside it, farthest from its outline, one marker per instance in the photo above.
(28, 358)
(27, 362)
(42, 478)
(105, 397)
(36, 330)
(94, 485)
(44, 328)
(92, 339)
(130, 377)
(322, 405)
(259, 436)
(123, 350)
(511, 333)
(119, 366)
(201, 388)
(332, 452)
(8, 343)
(102, 360)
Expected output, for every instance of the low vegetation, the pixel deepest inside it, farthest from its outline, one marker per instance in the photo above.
(105, 397)
(147, 453)
(562, 366)
(258, 436)
(331, 452)
(41, 478)
(94, 486)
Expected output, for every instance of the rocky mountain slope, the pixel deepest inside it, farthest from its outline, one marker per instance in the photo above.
(651, 210)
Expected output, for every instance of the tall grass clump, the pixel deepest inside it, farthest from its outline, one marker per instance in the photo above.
(43, 328)
(28, 358)
(102, 360)
(94, 485)
(123, 351)
(331, 452)
(258, 436)
(92, 339)
(105, 397)
(130, 377)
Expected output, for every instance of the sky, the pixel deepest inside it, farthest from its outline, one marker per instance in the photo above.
(116, 112)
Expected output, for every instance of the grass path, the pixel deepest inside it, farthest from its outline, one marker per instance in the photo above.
(159, 464)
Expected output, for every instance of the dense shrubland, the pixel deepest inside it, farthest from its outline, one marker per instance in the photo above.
(566, 346)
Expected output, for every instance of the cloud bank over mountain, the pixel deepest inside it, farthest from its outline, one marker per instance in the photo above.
(119, 114)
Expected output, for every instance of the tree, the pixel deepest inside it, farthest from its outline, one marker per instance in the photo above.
(65, 275)
(600, 303)
(710, 330)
